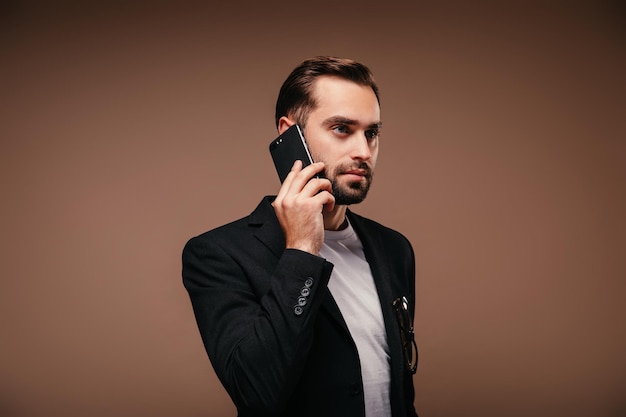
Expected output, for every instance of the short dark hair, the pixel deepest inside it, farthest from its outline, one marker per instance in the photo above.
(296, 94)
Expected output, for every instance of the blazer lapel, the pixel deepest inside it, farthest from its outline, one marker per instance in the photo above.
(269, 231)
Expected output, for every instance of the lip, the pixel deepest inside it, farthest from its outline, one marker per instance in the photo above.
(359, 172)
(355, 174)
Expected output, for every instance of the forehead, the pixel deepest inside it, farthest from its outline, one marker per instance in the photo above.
(336, 96)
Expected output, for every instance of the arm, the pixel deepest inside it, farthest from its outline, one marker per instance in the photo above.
(256, 342)
(246, 306)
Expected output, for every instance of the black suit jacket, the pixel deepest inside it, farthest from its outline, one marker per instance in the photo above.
(274, 356)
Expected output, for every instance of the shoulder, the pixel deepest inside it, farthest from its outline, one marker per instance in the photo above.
(238, 229)
(224, 230)
(212, 244)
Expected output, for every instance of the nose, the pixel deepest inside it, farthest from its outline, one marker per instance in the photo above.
(361, 147)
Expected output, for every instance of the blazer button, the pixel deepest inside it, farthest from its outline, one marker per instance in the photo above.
(309, 282)
(305, 292)
(297, 310)
(301, 301)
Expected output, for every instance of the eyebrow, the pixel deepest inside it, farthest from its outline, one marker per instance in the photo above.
(350, 122)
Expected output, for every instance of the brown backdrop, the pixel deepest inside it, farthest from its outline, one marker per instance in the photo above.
(128, 128)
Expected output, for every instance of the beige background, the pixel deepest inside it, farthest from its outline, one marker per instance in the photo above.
(126, 129)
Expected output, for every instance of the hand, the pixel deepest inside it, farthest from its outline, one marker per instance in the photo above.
(299, 207)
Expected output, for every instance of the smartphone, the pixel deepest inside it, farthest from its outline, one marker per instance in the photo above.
(287, 148)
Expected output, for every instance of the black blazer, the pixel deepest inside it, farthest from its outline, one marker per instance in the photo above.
(274, 356)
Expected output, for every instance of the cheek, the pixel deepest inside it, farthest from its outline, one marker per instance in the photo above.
(317, 157)
(323, 154)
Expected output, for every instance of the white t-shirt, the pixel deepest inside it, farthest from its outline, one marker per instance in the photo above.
(352, 286)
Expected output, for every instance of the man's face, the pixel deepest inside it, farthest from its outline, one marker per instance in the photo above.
(342, 131)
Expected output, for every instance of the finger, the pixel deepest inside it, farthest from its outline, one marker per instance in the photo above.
(314, 167)
(305, 175)
(317, 185)
(286, 185)
(326, 200)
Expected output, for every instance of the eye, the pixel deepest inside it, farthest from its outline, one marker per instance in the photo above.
(372, 134)
(341, 129)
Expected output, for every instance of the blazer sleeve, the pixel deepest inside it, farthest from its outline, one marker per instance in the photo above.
(257, 336)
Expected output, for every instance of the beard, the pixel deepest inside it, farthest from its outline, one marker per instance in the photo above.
(352, 192)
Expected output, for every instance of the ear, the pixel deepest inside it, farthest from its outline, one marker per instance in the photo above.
(284, 123)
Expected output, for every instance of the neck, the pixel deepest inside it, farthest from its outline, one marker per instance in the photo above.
(335, 219)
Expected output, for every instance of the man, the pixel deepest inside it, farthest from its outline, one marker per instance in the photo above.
(295, 303)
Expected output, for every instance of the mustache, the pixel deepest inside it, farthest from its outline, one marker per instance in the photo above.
(363, 165)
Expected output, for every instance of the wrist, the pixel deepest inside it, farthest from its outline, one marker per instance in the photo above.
(304, 247)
